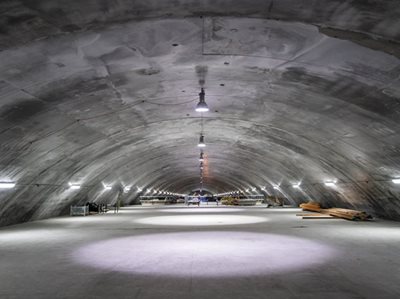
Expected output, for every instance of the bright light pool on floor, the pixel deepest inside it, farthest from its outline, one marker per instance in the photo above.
(201, 220)
(205, 254)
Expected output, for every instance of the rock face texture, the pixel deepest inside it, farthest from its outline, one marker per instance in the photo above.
(103, 93)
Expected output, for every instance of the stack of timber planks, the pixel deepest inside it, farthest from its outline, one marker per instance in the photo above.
(348, 214)
(333, 212)
(311, 206)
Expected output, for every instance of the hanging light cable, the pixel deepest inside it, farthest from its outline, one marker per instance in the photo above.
(202, 105)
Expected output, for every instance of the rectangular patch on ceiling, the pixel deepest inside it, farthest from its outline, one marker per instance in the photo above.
(257, 37)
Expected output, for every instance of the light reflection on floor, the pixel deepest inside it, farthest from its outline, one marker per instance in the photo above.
(202, 210)
(205, 254)
(201, 220)
(28, 236)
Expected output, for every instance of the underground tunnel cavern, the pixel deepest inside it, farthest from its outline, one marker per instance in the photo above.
(300, 102)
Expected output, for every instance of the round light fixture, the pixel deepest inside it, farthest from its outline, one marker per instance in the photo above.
(202, 105)
(201, 159)
(201, 141)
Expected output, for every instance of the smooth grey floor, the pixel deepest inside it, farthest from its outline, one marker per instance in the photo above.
(207, 252)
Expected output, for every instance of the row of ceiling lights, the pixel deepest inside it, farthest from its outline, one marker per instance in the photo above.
(128, 188)
(77, 186)
(277, 187)
(201, 107)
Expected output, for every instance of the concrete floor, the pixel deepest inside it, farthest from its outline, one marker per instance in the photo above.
(207, 252)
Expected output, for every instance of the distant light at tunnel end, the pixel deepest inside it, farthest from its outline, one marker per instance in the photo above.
(396, 181)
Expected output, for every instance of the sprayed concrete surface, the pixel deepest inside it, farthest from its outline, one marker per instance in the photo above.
(103, 92)
(140, 254)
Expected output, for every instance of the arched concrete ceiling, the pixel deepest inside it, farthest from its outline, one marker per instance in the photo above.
(104, 92)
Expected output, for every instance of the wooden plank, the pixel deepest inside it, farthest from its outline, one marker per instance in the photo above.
(336, 212)
(310, 206)
(320, 217)
(309, 214)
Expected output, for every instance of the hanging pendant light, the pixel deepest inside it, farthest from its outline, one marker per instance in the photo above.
(201, 141)
(201, 159)
(202, 105)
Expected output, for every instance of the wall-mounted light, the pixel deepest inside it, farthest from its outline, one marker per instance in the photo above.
(74, 186)
(330, 183)
(276, 187)
(107, 187)
(7, 185)
(396, 181)
(297, 185)
(127, 189)
(201, 141)
(202, 105)
(139, 189)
